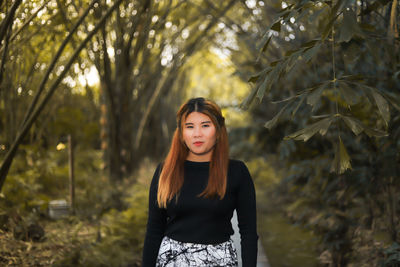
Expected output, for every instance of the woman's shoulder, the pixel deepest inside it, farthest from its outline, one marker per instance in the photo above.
(156, 174)
(239, 175)
(236, 164)
(237, 168)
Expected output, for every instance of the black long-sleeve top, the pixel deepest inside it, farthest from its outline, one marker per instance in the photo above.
(202, 220)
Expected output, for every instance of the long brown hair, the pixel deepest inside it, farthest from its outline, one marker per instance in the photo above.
(171, 177)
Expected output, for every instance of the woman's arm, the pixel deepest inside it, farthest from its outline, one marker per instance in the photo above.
(247, 218)
(155, 225)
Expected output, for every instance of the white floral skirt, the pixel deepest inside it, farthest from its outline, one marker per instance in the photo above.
(174, 253)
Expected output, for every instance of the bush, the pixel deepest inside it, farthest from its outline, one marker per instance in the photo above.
(121, 233)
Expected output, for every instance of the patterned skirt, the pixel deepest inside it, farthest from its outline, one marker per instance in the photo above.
(174, 253)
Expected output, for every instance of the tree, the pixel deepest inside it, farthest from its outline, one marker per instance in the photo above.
(35, 108)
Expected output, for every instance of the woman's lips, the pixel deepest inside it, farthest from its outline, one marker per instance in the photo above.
(198, 143)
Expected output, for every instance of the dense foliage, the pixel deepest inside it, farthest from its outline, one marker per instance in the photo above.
(332, 67)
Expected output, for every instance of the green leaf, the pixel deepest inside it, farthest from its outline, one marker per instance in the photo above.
(336, 7)
(341, 162)
(291, 52)
(289, 63)
(354, 124)
(265, 86)
(255, 77)
(393, 99)
(374, 132)
(335, 12)
(303, 96)
(265, 46)
(283, 12)
(355, 77)
(316, 13)
(331, 20)
(311, 43)
(346, 28)
(349, 26)
(382, 104)
(276, 26)
(328, 28)
(306, 133)
(309, 53)
(340, 5)
(249, 99)
(271, 123)
(349, 94)
(321, 116)
(313, 97)
(286, 17)
(264, 43)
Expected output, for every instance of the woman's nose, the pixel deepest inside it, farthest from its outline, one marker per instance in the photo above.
(197, 131)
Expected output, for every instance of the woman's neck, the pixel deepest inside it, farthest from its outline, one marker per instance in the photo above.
(199, 158)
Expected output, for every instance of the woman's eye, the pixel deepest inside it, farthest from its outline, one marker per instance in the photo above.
(206, 125)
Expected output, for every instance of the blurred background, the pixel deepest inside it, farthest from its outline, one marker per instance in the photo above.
(88, 95)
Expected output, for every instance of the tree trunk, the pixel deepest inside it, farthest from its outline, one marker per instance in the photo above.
(119, 129)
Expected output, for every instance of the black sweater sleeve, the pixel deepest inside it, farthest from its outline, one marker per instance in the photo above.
(155, 225)
(247, 219)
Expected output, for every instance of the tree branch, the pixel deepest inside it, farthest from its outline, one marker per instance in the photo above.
(54, 61)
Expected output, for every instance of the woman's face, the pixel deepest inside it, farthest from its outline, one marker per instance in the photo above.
(199, 135)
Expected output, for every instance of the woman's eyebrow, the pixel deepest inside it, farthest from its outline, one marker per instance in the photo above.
(203, 122)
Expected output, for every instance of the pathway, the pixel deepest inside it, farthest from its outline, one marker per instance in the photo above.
(262, 260)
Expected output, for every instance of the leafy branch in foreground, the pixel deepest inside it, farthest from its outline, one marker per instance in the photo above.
(343, 91)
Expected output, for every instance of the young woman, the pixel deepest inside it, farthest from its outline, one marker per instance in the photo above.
(193, 195)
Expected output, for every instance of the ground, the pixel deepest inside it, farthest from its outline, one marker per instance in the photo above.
(61, 237)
